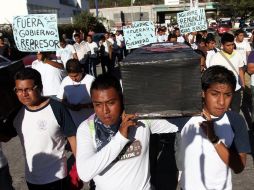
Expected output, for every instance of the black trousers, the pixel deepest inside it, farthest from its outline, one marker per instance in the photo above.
(56, 185)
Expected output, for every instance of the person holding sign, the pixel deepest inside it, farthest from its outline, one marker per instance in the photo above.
(52, 73)
(112, 146)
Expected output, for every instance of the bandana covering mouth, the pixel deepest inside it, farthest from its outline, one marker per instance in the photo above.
(104, 133)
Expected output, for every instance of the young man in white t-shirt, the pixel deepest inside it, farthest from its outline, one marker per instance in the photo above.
(210, 44)
(65, 52)
(242, 46)
(93, 58)
(228, 54)
(74, 92)
(217, 141)
(113, 147)
(180, 38)
(83, 51)
(42, 124)
(52, 73)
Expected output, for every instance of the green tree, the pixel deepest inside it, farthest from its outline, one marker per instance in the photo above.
(86, 20)
(238, 8)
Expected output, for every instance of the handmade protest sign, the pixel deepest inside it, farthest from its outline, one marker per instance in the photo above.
(36, 32)
(138, 34)
(191, 21)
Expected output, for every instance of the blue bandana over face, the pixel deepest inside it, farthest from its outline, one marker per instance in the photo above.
(104, 133)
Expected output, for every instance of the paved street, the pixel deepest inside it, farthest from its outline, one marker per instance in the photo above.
(14, 153)
(12, 149)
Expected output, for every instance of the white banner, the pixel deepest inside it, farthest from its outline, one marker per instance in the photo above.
(191, 21)
(36, 32)
(138, 34)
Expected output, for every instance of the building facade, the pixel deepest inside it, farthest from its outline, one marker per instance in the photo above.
(65, 9)
(116, 17)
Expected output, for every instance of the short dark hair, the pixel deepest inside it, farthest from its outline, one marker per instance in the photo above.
(217, 74)
(210, 39)
(199, 39)
(29, 74)
(106, 81)
(239, 31)
(171, 36)
(73, 66)
(62, 40)
(77, 35)
(226, 37)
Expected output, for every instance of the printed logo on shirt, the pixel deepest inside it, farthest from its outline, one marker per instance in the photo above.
(42, 125)
(131, 150)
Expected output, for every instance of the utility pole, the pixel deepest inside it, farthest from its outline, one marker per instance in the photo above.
(96, 7)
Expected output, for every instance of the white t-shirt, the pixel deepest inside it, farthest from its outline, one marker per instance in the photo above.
(77, 93)
(191, 38)
(242, 48)
(235, 58)
(106, 44)
(92, 46)
(162, 38)
(201, 166)
(180, 39)
(132, 170)
(51, 77)
(209, 55)
(65, 53)
(42, 134)
(81, 49)
(120, 40)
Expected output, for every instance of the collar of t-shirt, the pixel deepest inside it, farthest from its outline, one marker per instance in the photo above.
(228, 55)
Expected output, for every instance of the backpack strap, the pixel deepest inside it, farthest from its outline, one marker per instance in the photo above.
(231, 119)
(91, 127)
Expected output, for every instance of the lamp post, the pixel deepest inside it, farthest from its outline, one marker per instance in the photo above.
(96, 7)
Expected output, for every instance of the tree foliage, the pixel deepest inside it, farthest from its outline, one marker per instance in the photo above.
(86, 20)
(238, 8)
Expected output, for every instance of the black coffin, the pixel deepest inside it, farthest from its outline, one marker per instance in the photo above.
(8, 99)
(162, 80)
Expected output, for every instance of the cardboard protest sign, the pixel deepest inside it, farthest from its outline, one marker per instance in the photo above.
(138, 34)
(191, 21)
(36, 32)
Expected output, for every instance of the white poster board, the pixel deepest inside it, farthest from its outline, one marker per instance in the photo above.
(36, 32)
(138, 34)
(191, 21)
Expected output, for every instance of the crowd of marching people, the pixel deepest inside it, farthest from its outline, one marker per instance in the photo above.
(65, 99)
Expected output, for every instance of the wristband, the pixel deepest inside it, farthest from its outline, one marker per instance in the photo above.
(215, 140)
